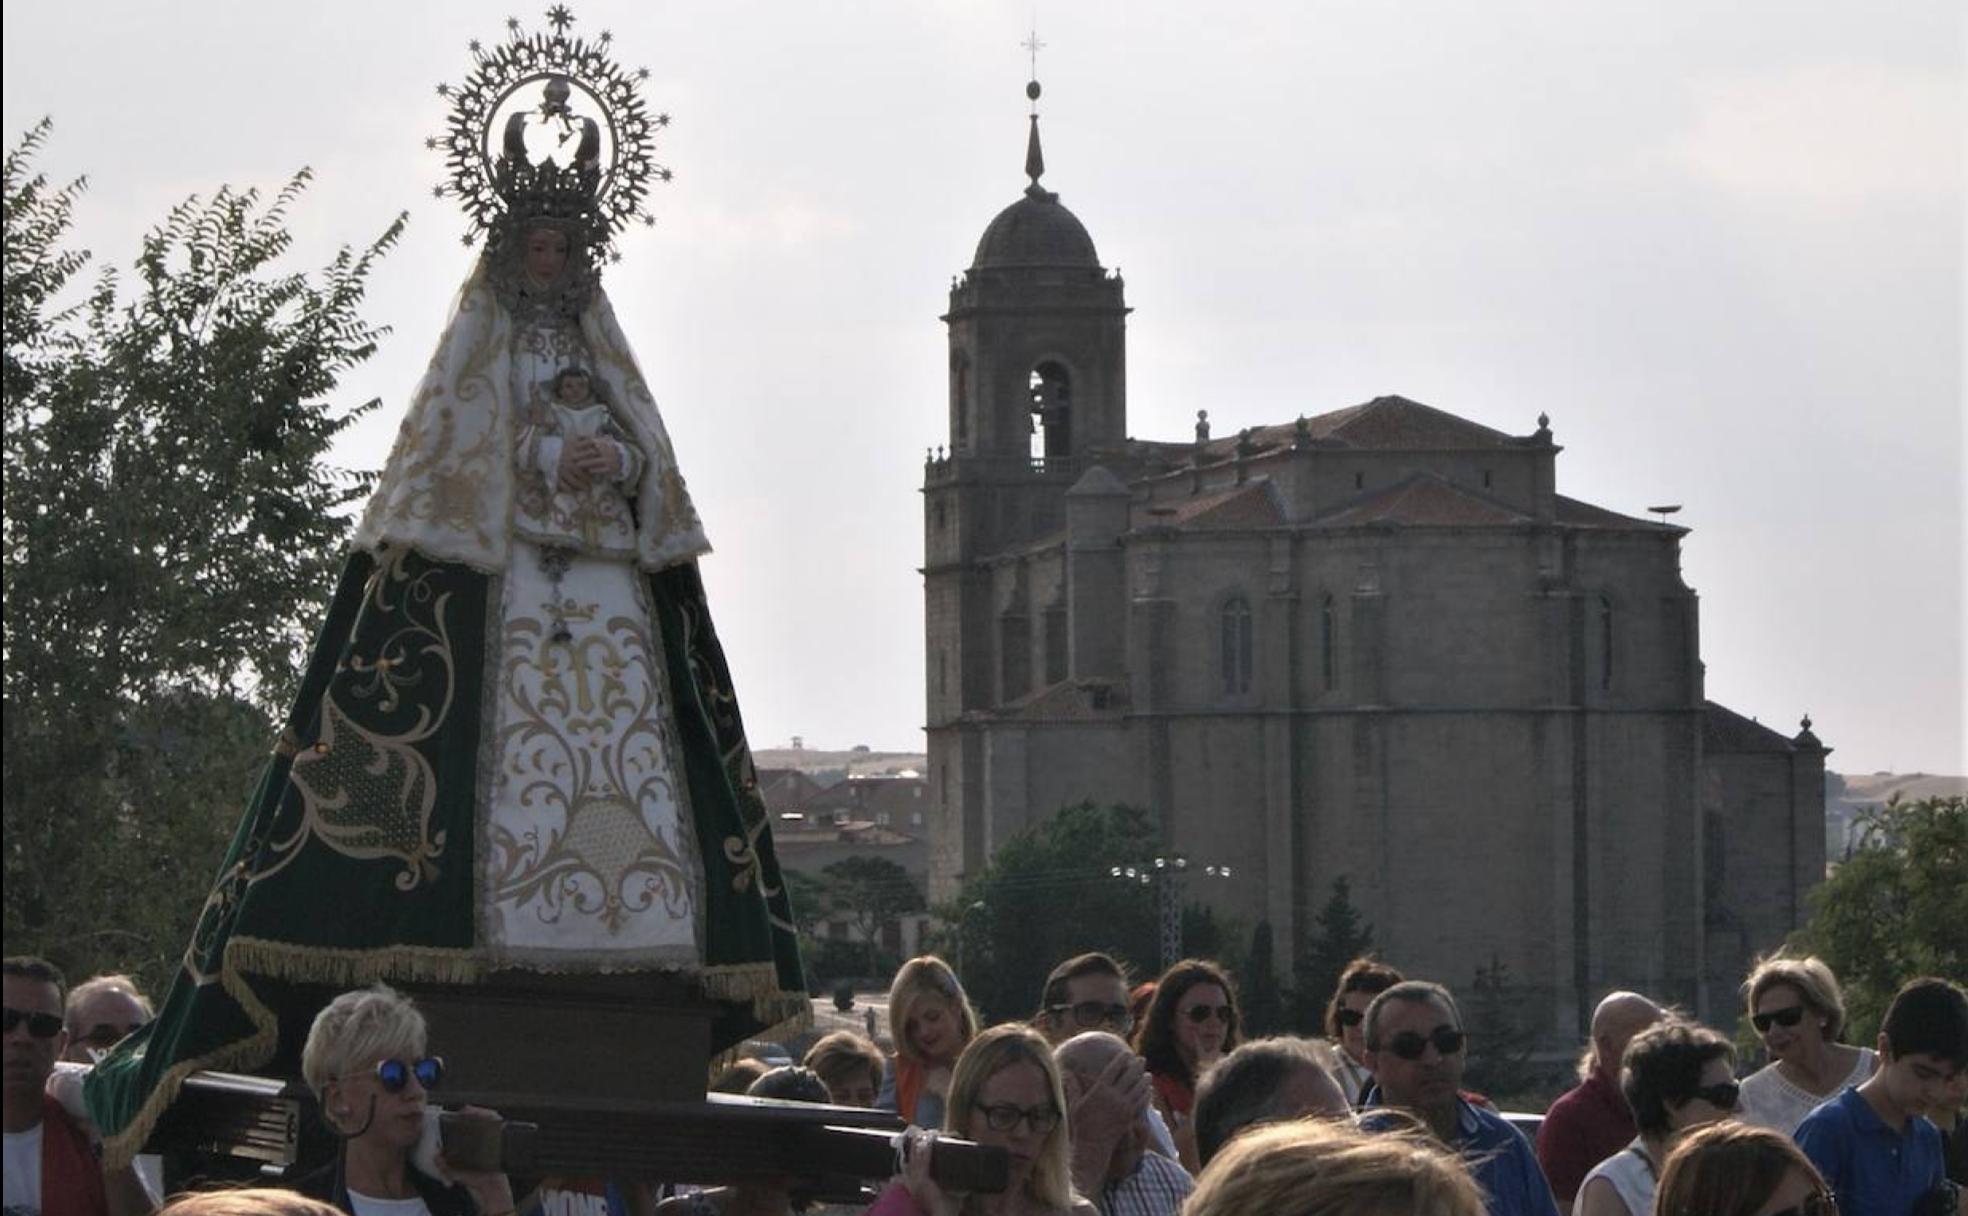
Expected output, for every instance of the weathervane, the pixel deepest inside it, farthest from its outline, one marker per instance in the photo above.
(551, 157)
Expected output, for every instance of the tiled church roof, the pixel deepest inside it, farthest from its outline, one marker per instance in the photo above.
(1252, 505)
(1424, 499)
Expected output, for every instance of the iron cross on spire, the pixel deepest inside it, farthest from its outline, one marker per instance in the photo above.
(1033, 46)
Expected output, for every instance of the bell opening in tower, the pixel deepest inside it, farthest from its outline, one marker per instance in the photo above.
(1051, 419)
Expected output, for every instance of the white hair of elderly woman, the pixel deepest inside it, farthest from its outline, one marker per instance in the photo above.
(358, 1028)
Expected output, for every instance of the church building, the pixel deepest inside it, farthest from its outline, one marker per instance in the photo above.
(1373, 642)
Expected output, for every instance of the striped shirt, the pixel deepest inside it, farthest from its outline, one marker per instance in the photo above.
(1156, 1188)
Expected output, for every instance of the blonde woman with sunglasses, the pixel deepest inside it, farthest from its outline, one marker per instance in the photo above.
(367, 1060)
(1797, 1009)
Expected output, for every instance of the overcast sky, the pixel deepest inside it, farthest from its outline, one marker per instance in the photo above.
(1719, 243)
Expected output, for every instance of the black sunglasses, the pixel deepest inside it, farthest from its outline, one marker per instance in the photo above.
(1722, 1096)
(395, 1074)
(106, 1034)
(1203, 1013)
(1004, 1116)
(1819, 1204)
(1350, 1017)
(1789, 1015)
(40, 1025)
(1095, 1013)
(1409, 1045)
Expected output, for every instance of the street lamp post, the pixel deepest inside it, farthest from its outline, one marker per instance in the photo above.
(1165, 874)
(963, 932)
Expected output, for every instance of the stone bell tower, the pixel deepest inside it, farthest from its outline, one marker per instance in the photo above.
(1037, 389)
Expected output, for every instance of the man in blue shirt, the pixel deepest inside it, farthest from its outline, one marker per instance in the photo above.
(1415, 1049)
(1878, 1154)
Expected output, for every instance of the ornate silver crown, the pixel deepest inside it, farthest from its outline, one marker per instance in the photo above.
(580, 158)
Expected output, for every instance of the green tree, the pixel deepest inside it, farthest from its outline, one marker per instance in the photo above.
(1049, 893)
(1263, 1001)
(873, 893)
(1896, 907)
(1340, 935)
(1501, 1038)
(172, 528)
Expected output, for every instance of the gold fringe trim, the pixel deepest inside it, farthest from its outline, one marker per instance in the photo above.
(351, 968)
(238, 1056)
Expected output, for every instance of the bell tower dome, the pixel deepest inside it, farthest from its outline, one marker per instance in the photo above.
(1037, 334)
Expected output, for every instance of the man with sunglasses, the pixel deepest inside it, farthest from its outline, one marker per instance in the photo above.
(1591, 1121)
(102, 1012)
(52, 1165)
(1417, 1049)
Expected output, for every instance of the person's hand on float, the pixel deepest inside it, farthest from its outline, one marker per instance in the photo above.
(491, 1190)
(918, 1146)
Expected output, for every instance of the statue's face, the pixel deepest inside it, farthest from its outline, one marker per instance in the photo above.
(545, 255)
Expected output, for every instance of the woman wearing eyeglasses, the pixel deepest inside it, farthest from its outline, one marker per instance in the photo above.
(1006, 1092)
(1736, 1169)
(1191, 1024)
(1346, 1015)
(1796, 1007)
(1677, 1076)
(367, 1063)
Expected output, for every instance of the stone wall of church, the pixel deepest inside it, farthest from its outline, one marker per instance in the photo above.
(1763, 821)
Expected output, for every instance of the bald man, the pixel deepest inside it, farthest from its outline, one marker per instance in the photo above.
(1113, 1164)
(1590, 1122)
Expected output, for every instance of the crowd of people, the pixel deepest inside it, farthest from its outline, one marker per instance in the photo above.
(1113, 1101)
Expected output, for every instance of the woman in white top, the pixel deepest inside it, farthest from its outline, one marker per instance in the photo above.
(1796, 1006)
(1676, 1076)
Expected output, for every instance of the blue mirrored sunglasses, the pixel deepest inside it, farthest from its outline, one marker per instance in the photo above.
(395, 1074)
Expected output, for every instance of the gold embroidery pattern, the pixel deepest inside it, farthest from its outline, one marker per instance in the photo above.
(366, 794)
(584, 754)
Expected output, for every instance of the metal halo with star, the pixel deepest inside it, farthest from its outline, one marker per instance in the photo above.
(473, 151)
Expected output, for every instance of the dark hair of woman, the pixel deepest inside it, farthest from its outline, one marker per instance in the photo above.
(1154, 1041)
(1664, 1063)
(1368, 975)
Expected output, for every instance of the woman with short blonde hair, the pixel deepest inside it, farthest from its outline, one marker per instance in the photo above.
(1320, 1167)
(932, 1022)
(1737, 1169)
(1797, 1009)
(365, 1059)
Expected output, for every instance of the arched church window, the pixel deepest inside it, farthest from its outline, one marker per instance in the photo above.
(1051, 387)
(960, 398)
(1237, 646)
(1328, 642)
(1605, 642)
(1055, 643)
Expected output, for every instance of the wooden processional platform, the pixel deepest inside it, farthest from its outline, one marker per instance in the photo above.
(597, 1076)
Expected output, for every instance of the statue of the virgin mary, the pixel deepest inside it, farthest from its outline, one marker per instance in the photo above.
(515, 746)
